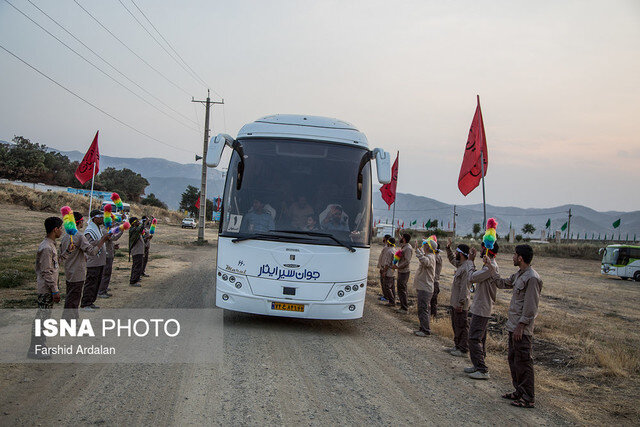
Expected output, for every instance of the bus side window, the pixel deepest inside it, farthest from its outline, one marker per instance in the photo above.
(623, 258)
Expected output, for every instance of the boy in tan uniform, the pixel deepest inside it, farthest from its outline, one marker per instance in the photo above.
(95, 263)
(136, 250)
(423, 282)
(379, 265)
(110, 248)
(388, 279)
(404, 271)
(523, 310)
(75, 266)
(47, 283)
(483, 299)
(436, 285)
(460, 298)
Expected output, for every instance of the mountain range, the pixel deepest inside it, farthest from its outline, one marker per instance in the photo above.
(168, 180)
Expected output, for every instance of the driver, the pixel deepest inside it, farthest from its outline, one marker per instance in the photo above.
(258, 218)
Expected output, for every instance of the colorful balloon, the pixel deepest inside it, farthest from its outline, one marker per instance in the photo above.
(490, 235)
(122, 227)
(396, 256)
(152, 229)
(108, 216)
(115, 198)
(68, 221)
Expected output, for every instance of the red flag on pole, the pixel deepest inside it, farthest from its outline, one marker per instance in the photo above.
(198, 203)
(389, 190)
(471, 170)
(85, 169)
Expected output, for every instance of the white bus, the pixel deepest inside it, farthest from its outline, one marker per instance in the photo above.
(622, 261)
(296, 219)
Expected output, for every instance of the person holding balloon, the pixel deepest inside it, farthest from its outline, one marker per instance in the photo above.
(424, 280)
(95, 262)
(74, 250)
(484, 296)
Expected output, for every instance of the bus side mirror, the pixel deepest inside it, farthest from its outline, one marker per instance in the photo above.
(216, 145)
(383, 165)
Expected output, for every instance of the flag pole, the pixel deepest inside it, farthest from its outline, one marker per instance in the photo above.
(484, 199)
(393, 221)
(91, 194)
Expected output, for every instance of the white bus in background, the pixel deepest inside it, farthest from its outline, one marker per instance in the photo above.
(622, 261)
(267, 262)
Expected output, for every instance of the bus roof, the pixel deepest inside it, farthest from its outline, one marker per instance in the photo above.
(619, 245)
(304, 127)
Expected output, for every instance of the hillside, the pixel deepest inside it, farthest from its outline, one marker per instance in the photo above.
(169, 179)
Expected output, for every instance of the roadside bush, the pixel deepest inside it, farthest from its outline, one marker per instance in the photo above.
(519, 237)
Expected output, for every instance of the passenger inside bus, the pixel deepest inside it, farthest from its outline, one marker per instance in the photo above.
(333, 218)
(259, 218)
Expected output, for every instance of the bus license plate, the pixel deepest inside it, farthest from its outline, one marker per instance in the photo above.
(287, 307)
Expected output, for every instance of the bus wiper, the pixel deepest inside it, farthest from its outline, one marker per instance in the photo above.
(259, 236)
(315, 233)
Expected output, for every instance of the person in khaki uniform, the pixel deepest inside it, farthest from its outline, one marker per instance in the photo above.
(95, 263)
(75, 266)
(483, 299)
(460, 298)
(379, 266)
(523, 310)
(423, 282)
(47, 283)
(404, 271)
(110, 248)
(388, 274)
(436, 285)
(136, 250)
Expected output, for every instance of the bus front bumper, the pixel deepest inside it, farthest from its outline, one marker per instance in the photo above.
(331, 310)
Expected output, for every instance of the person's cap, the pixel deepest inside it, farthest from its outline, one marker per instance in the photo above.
(94, 213)
(77, 216)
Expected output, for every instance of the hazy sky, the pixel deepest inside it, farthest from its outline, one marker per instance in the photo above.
(559, 83)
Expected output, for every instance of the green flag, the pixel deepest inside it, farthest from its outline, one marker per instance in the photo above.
(564, 227)
(415, 221)
(428, 224)
(548, 223)
(616, 223)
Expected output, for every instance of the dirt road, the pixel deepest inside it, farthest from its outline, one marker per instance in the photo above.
(275, 371)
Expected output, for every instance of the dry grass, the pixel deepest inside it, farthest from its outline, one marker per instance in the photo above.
(586, 346)
(52, 201)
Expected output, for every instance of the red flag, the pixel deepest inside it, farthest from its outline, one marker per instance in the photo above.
(198, 203)
(85, 169)
(470, 171)
(389, 190)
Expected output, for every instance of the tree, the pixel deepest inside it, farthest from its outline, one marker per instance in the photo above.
(152, 200)
(476, 229)
(128, 184)
(528, 229)
(188, 202)
(434, 223)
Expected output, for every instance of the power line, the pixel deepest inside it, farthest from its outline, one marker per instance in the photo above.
(95, 66)
(111, 65)
(88, 102)
(131, 50)
(160, 44)
(171, 47)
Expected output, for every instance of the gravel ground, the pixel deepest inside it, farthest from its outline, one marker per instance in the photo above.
(274, 371)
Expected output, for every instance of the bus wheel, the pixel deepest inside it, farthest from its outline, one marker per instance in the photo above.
(636, 276)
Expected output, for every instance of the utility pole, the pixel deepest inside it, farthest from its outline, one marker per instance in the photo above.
(202, 214)
(454, 220)
(569, 225)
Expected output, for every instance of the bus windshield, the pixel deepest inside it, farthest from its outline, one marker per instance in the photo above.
(300, 191)
(610, 256)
